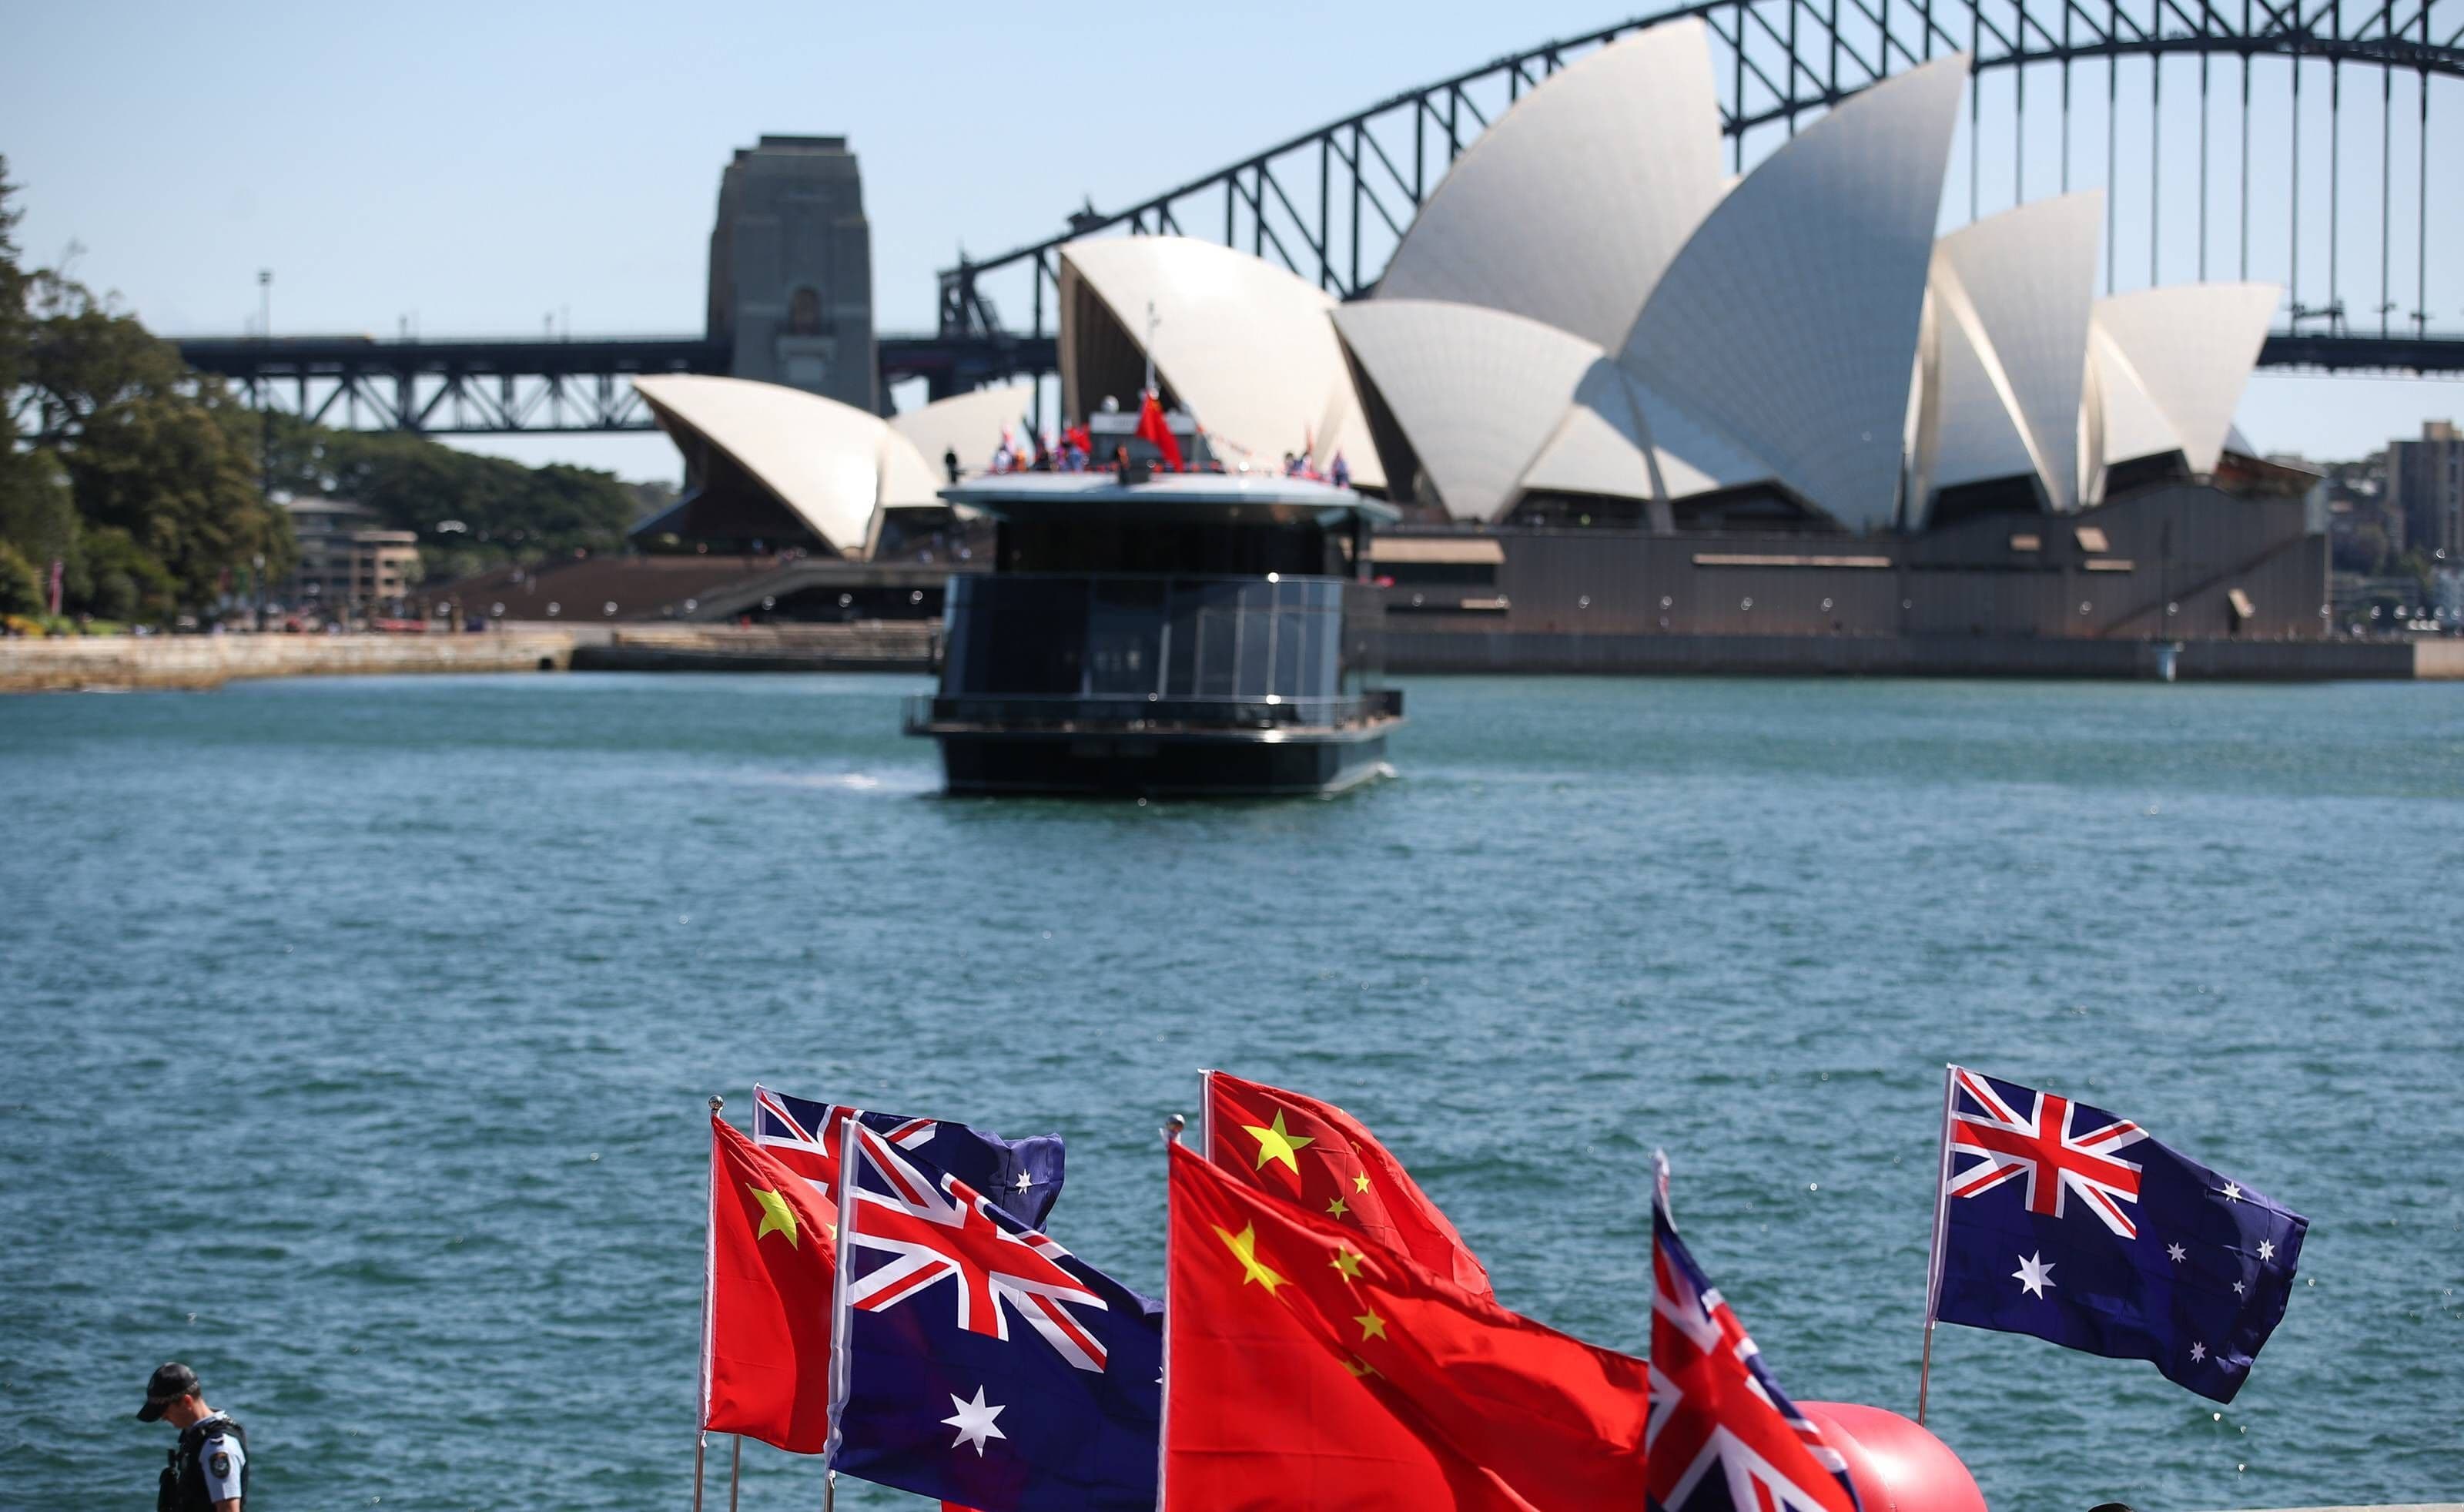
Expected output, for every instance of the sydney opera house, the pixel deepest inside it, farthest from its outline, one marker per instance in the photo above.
(1629, 404)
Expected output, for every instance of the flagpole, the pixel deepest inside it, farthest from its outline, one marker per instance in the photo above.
(845, 1196)
(1933, 1249)
(701, 1394)
(735, 1468)
(1173, 1126)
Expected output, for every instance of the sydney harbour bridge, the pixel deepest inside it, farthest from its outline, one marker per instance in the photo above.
(2299, 143)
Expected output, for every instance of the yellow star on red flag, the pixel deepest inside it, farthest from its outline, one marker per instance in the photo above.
(1275, 1143)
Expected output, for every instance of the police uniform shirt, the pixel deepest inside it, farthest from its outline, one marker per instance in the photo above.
(221, 1459)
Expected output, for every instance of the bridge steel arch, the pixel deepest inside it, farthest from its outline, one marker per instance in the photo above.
(1329, 203)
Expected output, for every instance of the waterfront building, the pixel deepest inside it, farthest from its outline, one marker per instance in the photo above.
(791, 269)
(348, 565)
(2426, 491)
(1611, 391)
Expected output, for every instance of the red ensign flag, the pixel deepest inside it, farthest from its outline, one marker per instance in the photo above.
(772, 1261)
(1320, 1157)
(1303, 1371)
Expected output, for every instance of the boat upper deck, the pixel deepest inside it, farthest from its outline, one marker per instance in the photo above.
(1138, 498)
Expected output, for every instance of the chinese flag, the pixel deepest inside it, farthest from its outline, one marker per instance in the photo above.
(1302, 1370)
(1152, 428)
(1318, 1155)
(772, 1261)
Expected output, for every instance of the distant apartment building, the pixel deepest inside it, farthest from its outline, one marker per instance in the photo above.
(2426, 490)
(347, 564)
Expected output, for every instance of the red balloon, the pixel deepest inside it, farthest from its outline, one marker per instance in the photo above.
(1894, 1465)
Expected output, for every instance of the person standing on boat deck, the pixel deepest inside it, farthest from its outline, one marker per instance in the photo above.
(949, 462)
(208, 1468)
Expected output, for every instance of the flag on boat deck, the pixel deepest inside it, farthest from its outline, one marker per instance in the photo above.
(1318, 1156)
(1724, 1437)
(769, 1266)
(1024, 1176)
(1156, 430)
(979, 1361)
(2060, 1220)
(1306, 1369)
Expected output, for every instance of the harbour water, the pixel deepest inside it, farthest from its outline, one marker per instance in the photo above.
(359, 1032)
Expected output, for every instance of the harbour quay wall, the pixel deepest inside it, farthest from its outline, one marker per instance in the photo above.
(1470, 650)
(209, 661)
(863, 646)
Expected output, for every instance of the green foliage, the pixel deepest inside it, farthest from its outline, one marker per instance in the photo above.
(504, 511)
(13, 317)
(21, 586)
(124, 581)
(145, 481)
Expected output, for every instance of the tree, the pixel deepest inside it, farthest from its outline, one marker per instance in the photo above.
(123, 580)
(506, 512)
(151, 450)
(38, 519)
(21, 587)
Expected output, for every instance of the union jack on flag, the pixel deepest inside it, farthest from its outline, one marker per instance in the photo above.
(1022, 1176)
(947, 1232)
(2041, 1149)
(1721, 1437)
(940, 1392)
(2160, 1259)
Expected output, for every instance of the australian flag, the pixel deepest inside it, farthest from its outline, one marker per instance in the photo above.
(1022, 1176)
(2060, 1220)
(976, 1360)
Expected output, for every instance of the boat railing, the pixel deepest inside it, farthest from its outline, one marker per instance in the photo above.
(933, 713)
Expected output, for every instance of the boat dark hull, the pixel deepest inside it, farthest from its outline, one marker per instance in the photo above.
(1179, 763)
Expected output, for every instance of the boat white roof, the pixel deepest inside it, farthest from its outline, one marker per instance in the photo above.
(1018, 495)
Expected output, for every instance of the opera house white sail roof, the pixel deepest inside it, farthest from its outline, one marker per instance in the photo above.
(2011, 295)
(1572, 206)
(832, 467)
(1244, 346)
(1587, 308)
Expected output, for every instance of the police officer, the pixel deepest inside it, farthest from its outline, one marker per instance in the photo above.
(208, 1468)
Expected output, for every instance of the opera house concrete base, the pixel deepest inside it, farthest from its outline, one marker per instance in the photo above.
(2238, 580)
(1546, 652)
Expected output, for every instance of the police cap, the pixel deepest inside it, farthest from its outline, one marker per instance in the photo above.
(170, 1382)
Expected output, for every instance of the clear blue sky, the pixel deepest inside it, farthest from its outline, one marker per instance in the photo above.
(479, 167)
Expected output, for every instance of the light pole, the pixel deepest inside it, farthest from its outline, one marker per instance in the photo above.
(265, 427)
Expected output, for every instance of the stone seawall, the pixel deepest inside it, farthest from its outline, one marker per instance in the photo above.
(903, 645)
(209, 661)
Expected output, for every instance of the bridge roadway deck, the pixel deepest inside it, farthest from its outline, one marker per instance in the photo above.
(318, 368)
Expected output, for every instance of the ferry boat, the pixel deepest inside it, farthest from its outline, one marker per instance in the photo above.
(1163, 633)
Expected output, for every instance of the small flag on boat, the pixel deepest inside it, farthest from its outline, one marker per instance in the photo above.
(2060, 1220)
(1316, 1155)
(1724, 1437)
(1024, 1176)
(1156, 432)
(1306, 1370)
(768, 1271)
(979, 1361)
